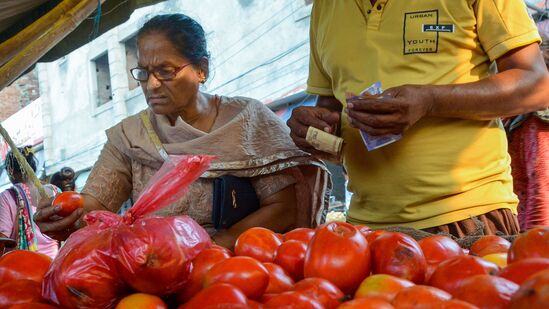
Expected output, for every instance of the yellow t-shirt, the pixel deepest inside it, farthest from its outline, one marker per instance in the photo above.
(443, 169)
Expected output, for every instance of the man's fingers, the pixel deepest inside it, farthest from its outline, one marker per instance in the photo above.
(45, 202)
(375, 131)
(377, 120)
(371, 105)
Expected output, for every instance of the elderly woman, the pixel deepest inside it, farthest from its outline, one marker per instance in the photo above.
(247, 138)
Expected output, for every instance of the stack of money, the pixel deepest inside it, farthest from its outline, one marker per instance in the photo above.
(323, 141)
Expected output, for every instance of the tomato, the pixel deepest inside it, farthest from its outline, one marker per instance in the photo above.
(252, 304)
(69, 201)
(486, 291)
(418, 296)
(259, 243)
(301, 233)
(279, 280)
(369, 302)
(372, 235)
(294, 300)
(244, 272)
(33, 305)
(322, 290)
(382, 286)
(141, 301)
(520, 271)
(85, 276)
(533, 294)
(530, 244)
(449, 273)
(219, 295)
(23, 264)
(19, 291)
(436, 249)
(399, 255)
(203, 262)
(489, 244)
(456, 304)
(155, 254)
(339, 253)
(291, 256)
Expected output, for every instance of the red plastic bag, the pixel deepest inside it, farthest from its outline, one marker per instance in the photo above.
(98, 263)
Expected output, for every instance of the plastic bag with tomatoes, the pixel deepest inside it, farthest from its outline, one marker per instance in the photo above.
(99, 263)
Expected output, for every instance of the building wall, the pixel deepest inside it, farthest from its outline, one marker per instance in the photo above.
(18, 95)
(258, 49)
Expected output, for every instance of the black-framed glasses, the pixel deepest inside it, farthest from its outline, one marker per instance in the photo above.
(161, 74)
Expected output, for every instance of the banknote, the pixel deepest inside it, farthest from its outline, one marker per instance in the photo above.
(323, 141)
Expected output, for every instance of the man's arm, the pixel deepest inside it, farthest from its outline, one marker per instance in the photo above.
(521, 86)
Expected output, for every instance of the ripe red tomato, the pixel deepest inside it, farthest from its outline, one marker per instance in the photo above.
(449, 273)
(399, 255)
(530, 244)
(420, 296)
(279, 280)
(19, 291)
(244, 272)
(322, 290)
(23, 264)
(370, 302)
(339, 253)
(489, 244)
(219, 295)
(294, 300)
(520, 271)
(532, 294)
(301, 233)
(372, 235)
(33, 305)
(69, 201)
(486, 291)
(259, 243)
(141, 301)
(291, 256)
(203, 262)
(456, 304)
(365, 230)
(436, 249)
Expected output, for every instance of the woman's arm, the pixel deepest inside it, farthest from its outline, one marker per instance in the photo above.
(277, 213)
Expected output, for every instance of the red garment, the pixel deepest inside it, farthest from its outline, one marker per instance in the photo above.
(529, 150)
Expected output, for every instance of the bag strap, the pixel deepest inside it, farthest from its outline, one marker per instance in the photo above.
(153, 136)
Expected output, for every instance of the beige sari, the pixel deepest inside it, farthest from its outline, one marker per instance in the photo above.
(249, 141)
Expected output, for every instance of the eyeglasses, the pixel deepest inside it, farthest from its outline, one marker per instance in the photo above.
(161, 74)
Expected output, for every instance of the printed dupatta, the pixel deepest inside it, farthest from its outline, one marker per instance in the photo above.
(26, 228)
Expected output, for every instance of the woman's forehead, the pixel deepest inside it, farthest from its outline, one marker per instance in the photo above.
(156, 49)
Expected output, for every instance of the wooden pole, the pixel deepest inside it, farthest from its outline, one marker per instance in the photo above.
(34, 31)
(23, 163)
(39, 47)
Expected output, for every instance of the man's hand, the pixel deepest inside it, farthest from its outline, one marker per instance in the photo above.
(392, 112)
(54, 226)
(305, 117)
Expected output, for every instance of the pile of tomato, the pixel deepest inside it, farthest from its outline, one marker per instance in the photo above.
(336, 265)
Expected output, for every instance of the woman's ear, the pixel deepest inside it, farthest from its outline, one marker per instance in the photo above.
(204, 69)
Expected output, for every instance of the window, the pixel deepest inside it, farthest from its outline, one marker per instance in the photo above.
(103, 78)
(131, 60)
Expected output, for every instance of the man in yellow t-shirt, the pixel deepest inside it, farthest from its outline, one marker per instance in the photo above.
(433, 59)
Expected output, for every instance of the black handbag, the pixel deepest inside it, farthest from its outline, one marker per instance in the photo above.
(234, 198)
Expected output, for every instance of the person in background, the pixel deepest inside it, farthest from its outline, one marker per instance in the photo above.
(451, 168)
(248, 140)
(528, 136)
(18, 204)
(65, 179)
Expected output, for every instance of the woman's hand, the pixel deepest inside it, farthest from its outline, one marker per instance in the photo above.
(54, 226)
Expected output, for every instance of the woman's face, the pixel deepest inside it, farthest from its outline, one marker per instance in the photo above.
(157, 54)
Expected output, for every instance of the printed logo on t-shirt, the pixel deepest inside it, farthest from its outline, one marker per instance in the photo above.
(421, 32)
